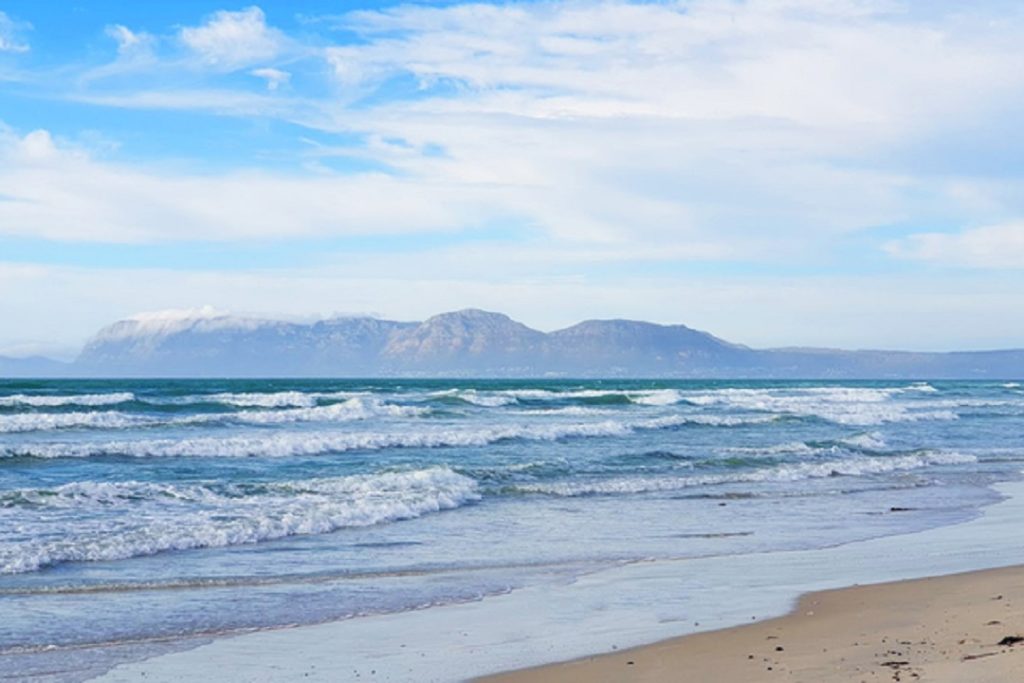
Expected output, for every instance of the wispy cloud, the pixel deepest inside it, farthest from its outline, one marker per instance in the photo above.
(12, 34)
(993, 246)
(275, 78)
(128, 41)
(839, 65)
(60, 193)
(669, 125)
(220, 101)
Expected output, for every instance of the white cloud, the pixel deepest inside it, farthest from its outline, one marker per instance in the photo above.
(709, 117)
(10, 34)
(832, 64)
(214, 100)
(274, 77)
(233, 39)
(994, 246)
(36, 146)
(710, 121)
(129, 42)
(60, 193)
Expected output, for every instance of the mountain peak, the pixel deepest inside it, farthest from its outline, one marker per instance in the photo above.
(469, 314)
(484, 338)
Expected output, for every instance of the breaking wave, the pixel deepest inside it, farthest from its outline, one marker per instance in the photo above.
(500, 398)
(842, 405)
(357, 408)
(855, 466)
(350, 410)
(43, 401)
(272, 399)
(284, 444)
(143, 518)
(33, 422)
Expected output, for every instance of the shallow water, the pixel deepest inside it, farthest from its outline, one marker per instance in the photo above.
(132, 511)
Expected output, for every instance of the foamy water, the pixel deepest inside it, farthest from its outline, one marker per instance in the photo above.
(179, 508)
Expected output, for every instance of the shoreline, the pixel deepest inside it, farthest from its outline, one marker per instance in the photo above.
(957, 627)
(615, 609)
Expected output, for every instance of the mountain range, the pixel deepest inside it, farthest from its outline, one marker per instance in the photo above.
(473, 343)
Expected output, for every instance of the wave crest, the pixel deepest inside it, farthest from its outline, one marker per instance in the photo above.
(43, 401)
(859, 406)
(285, 444)
(857, 466)
(144, 518)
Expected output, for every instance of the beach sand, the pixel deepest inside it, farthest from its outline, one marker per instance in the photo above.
(959, 628)
(637, 603)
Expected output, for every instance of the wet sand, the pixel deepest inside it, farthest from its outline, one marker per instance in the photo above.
(628, 605)
(957, 628)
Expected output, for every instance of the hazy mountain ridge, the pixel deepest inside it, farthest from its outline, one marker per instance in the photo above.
(33, 366)
(467, 340)
(477, 343)
(231, 347)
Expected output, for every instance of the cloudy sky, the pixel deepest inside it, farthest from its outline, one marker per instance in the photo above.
(779, 172)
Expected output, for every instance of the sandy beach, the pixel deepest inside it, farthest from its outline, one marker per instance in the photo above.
(661, 602)
(962, 627)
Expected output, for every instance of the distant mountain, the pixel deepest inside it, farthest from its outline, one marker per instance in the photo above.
(211, 345)
(630, 347)
(34, 366)
(473, 343)
(465, 341)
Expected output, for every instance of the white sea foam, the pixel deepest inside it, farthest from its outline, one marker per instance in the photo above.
(547, 395)
(284, 444)
(574, 411)
(349, 410)
(45, 401)
(278, 399)
(352, 409)
(650, 397)
(141, 518)
(35, 422)
(968, 402)
(792, 447)
(256, 399)
(872, 441)
(842, 405)
(483, 399)
(504, 397)
(854, 466)
(663, 397)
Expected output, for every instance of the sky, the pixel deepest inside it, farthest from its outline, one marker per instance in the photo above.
(845, 173)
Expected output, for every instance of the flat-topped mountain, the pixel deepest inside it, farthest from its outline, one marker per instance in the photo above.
(476, 343)
(209, 344)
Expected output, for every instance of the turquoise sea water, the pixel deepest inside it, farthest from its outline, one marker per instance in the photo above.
(140, 512)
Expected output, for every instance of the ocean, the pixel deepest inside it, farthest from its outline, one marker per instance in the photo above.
(143, 515)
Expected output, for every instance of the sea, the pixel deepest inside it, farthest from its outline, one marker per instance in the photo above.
(140, 516)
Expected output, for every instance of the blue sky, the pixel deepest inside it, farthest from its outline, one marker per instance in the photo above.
(780, 172)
